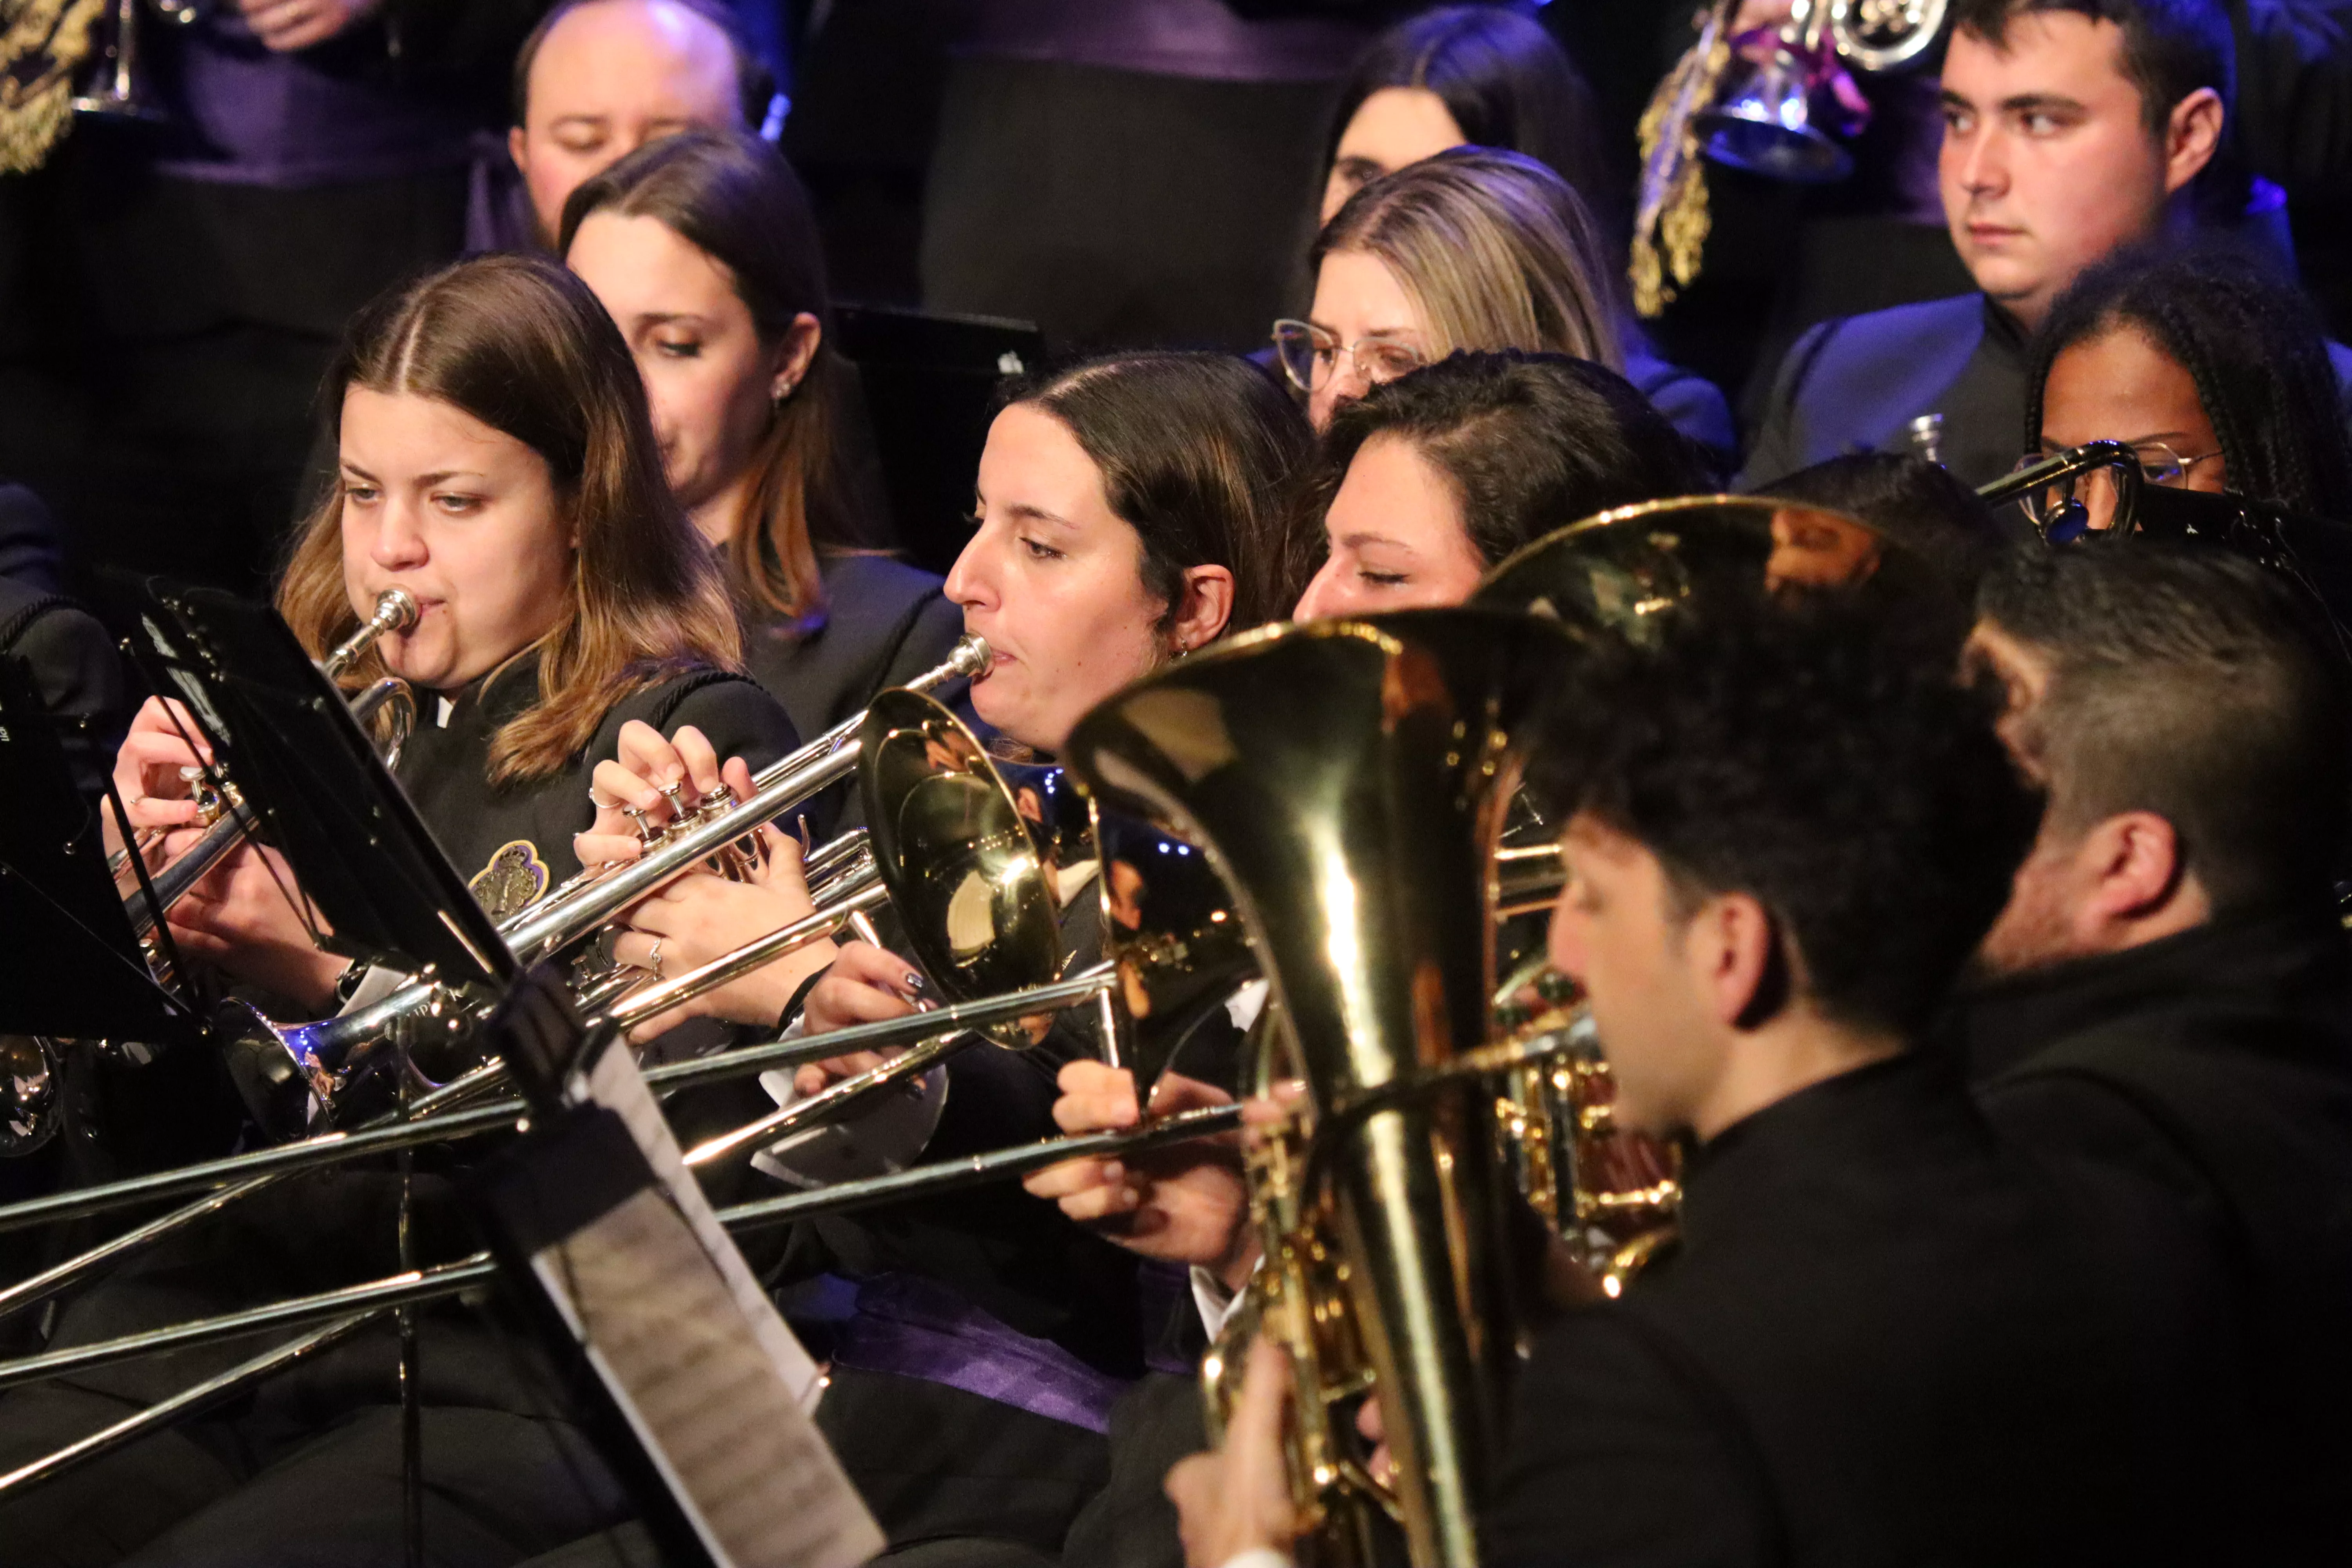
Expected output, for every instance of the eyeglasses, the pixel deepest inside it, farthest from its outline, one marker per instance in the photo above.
(2088, 501)
(1310, 354)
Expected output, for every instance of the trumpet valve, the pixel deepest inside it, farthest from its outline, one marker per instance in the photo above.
(647, 834)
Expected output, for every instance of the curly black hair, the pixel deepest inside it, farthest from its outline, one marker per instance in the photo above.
(2192, 683)
(2252, 342)
(1528, 443)
(1819, 753)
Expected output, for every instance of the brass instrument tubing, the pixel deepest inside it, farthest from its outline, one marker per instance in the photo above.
(284, 1160)
(973, 1170)
(859, 891)
(396, 610)
(831, 1101)
(541, 931)
(40, 1287)
(384, 1136)
(424, 1285)
(575, 909)
(419, 1286)
(188, 1400)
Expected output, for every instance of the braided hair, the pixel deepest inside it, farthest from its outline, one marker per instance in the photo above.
(2249, 340)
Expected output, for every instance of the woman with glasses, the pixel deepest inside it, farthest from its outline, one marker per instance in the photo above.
(1471, 248)
(2213, 369)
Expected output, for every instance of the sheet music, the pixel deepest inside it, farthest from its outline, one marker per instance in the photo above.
(715, 1385)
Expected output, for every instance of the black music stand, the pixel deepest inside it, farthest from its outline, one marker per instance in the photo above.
(70, 966)
(282, 730)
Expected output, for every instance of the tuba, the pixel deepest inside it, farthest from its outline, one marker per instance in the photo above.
(1349, 780)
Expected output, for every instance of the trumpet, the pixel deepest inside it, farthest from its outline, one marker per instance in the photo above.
(283, 1069)
(224, 810)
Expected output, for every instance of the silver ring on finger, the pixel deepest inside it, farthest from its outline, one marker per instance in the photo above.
(653, 958)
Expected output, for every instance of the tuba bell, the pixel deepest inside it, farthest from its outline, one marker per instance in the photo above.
(1348, 779)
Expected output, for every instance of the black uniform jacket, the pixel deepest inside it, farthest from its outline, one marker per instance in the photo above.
(513, 843)
(1884, 1339)
(885, 623)
(2216, 1064)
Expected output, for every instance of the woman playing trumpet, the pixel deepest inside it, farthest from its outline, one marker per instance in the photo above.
(496, 463)
(1128, 511)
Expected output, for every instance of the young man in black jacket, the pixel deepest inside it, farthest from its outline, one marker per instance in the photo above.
(2168, 990)
(1884, 1337)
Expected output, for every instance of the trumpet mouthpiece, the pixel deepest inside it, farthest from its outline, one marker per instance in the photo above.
(971, 655)
(395, 609)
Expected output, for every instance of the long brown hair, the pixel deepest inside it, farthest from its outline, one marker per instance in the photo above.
(1494, 248)
(524, 347)
(733, 197)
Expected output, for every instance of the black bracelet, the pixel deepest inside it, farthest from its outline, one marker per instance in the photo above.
(800, 997)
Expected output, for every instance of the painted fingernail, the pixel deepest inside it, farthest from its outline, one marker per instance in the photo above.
(914, 981)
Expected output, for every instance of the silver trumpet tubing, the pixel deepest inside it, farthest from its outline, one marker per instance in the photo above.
(231, 819)
(330, 1056)
(345, 1312)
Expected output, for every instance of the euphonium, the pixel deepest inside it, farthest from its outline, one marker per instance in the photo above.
(1348, 781)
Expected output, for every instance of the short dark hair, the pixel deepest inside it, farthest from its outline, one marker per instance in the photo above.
(2171, 48)
(1817, 754)
(1911, 500)
(1528, 443)
(2192, 683)
(2251, 341)
(1199, 453)
(1507, 83)
(755, 84)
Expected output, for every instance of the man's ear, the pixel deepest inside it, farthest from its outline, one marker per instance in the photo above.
(515, 140)
(2192, 134)
(1208, 605)
(2130, 865)
(1734, 947)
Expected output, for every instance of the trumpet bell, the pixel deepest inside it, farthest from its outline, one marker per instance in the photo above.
(971, 889)
(1766, 127)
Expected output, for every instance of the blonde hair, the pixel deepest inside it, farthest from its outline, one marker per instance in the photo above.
(521, 345)
(1496, 251)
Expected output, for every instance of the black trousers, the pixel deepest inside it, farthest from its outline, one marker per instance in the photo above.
(955, 1480)
(1117, 209)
